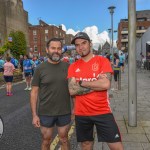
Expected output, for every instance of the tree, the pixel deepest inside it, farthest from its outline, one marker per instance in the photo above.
(17, 45)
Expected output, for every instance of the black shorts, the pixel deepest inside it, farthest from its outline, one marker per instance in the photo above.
(8, 78)
(50, 121)
(116, 75)
(107, 129)
(28, 74)
(121, 64)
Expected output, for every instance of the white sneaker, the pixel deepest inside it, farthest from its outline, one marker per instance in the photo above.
(29, 88)
(26, 88)
(112, 89)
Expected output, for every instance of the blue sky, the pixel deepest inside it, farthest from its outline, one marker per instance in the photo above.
(79, 14)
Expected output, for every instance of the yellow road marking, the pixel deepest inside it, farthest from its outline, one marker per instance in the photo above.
(56, 139)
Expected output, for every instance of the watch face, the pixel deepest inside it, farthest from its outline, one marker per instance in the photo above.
(1, 127)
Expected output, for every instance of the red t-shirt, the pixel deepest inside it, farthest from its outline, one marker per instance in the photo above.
(97, 102)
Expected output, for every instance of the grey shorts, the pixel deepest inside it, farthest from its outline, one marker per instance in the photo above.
(50, 121)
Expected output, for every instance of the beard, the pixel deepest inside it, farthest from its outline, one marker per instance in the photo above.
(84, 54)
(55, 57)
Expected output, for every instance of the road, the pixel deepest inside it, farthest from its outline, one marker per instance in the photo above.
(19, 134)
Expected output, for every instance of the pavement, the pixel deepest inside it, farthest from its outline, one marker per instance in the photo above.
(133, 138)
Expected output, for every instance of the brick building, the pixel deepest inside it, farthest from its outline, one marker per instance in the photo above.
(40, 34)
(13, 17)
(143, 22)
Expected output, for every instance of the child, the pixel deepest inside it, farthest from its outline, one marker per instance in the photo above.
(8, 75)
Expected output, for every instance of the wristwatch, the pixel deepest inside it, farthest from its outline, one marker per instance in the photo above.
(80, 82)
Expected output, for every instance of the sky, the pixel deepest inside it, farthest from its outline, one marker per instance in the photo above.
(90, 16)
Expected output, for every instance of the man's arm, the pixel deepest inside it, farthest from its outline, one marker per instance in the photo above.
(33, 103)
(103, 83)
(76, 89)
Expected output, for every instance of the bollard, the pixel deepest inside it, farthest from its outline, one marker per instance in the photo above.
(119, 80)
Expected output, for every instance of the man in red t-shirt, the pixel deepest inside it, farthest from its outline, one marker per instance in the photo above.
(89, 78)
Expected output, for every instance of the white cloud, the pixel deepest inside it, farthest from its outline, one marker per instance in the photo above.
(63, 27)
(96, 37)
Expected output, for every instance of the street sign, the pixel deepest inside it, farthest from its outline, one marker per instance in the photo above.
(10, 39)
(66, 48)
(1, 127)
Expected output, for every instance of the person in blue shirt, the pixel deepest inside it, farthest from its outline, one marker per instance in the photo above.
(15, 62)
(36, 62)
(122, 60)
(27, 68)
(1, 64)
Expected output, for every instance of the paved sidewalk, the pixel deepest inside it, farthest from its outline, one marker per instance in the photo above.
(134, 138)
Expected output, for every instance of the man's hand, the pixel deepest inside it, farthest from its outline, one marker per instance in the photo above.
(101, 76)
(76, 89)
(36, 121)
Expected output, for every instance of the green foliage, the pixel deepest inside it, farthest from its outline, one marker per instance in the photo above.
(18, 44)
(2, 50)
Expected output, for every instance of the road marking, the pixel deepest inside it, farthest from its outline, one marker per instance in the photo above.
(56, 139)
(16, 83)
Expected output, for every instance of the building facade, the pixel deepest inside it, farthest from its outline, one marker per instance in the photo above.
(106, 48)
(142, 24)
(12, 18)
(40, 34)
(143, 45)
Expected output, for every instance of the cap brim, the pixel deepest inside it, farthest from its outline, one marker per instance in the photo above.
(73, 41)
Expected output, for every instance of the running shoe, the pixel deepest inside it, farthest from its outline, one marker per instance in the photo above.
(26, 88)
(29, 88)
(10, 94)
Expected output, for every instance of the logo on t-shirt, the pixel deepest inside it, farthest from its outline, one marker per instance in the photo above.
(95, 67)
(77, 70)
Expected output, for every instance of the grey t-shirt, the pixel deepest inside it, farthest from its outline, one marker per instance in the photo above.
(54, 98)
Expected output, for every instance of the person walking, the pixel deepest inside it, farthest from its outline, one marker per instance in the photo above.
(50, 85)
(122, 61)
(8, 75)
(1, 64)
(27, 68)
(116, 67)
(89, 79)
(36, 62)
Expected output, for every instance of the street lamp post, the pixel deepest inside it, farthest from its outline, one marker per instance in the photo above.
(132, 76)
(109, 30)
(111, 10)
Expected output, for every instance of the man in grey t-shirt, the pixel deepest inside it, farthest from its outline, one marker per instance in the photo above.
(50, 92)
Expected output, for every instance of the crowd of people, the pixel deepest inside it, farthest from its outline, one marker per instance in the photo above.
(26, 66)
(60, 78)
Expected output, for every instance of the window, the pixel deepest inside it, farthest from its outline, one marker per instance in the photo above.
(125, 29)
(35, 39)
(46, 38)
(34, 32)
(56, 32)
(35, 48)
(125, 37)
(46, 31)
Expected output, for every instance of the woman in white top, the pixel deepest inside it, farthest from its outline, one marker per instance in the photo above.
(8, 75)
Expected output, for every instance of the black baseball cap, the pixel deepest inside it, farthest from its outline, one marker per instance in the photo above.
(80, 35)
